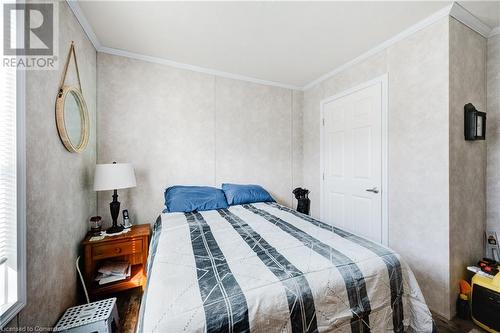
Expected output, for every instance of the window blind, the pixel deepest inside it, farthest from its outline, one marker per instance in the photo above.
(8, 182)
(8, 187)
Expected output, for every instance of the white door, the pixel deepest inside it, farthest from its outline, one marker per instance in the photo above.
(352, 162)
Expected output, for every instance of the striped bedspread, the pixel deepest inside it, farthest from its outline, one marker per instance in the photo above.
(267, 268)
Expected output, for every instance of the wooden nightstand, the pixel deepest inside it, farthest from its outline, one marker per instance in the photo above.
(132, 247)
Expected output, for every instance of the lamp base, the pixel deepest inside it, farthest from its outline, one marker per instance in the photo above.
(114, 229)
(114, 207)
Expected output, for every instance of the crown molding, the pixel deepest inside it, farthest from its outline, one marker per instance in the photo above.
(384, 45)
(494, 32)
(454, 10)
(463, 15)
(80, 16)
(77, 11)
(179, 65)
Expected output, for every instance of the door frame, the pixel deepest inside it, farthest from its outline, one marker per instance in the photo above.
(383, 80)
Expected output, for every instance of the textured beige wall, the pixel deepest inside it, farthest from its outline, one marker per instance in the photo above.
(493, 134)
(60, 198)
(160, 119)
(418, 158)
(418, 152)
(297, 141)
(253, 135)
(183, 127)
(467, 158)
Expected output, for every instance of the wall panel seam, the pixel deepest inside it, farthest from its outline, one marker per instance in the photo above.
(292, 145)
(215, 130)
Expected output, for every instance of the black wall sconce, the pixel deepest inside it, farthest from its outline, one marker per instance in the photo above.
(474, 123)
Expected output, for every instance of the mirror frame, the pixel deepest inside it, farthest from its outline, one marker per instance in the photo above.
(84, 119)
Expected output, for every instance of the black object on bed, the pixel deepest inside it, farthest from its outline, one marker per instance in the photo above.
(304, 203)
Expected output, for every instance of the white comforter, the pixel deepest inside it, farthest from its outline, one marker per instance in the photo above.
(266, 268)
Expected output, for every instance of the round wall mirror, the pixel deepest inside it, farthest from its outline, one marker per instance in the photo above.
(72, 119)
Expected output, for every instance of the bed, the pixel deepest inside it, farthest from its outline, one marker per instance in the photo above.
(263, 267)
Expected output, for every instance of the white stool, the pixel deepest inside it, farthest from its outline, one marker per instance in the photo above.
(92, 317)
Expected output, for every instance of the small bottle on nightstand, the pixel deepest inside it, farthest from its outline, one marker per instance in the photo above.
(126, 220)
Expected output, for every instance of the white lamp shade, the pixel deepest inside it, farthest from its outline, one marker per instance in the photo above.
(113, 176)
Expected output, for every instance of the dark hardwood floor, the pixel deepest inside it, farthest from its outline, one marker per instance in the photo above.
(129, 303)
(455, 325)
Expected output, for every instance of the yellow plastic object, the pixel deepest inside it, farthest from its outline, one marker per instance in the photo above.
(491, 284)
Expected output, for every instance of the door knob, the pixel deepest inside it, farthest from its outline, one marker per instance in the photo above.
(373, 190)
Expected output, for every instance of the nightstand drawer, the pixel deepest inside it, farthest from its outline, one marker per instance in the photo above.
(117, 249)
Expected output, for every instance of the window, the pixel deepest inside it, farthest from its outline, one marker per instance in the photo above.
(12, 192)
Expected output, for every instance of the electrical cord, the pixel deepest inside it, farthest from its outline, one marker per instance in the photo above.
(81, 279)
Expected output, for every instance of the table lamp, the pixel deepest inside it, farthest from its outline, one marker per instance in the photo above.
(114, 177)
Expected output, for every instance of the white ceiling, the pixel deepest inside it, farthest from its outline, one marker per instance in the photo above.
(292, 43)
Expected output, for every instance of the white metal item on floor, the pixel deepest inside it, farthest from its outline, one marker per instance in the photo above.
(100, 316)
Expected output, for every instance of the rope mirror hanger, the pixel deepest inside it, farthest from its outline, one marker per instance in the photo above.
(72, 117)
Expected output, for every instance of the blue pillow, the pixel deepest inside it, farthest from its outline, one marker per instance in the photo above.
(244, 194)
(190, 198)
